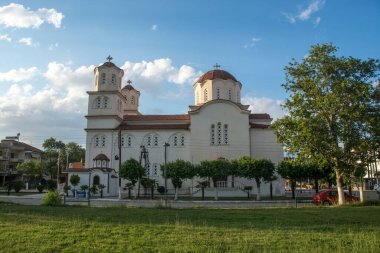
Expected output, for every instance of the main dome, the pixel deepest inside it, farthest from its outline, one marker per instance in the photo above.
(216, 74)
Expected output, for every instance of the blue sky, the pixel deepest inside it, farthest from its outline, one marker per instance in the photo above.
(49, 49)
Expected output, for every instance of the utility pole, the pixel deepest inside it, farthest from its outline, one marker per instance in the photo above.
(59, 154)
(166, 180)
(119, 145)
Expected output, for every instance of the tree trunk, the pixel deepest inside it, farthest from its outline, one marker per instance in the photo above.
(216, 192)
(293, 186)
(203, 193)
(339, 186)
(361, 192)
(176, 193)
(129, 192)
(258, 197)
(152, 192)
(316, 184)
(271, 190)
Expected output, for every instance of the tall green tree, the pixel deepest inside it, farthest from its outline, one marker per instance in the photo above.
(178, 171)
(33, 169)
(74, 152)
(329, 108)
(54, 151)
(293, 171)
(261, 170)
(133, 171)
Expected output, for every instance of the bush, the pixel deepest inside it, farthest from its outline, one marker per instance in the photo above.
(51, 185)
(18, 185)
(161, 189)
(52, 198)
(40, 188)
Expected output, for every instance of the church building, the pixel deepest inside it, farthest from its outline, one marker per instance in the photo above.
(217, 126)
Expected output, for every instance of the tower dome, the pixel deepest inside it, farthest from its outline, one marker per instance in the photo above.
(132, 97)
(108, 76)
(217, 84)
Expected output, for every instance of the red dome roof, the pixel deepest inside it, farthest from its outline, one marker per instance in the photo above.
(216, 74)
(101, 157)
(129, 87)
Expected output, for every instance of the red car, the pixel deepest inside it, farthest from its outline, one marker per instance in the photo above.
(330, 197)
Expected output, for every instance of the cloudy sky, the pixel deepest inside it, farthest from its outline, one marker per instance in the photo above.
(50, 48)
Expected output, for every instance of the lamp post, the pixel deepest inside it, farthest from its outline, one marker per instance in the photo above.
(166, 180)
(119, 145)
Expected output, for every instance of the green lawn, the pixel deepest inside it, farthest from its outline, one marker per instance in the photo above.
(89, 229)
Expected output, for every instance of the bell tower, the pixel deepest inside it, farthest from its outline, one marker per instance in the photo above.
(108, 76)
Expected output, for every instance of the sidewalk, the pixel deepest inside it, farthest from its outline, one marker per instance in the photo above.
(36, 199)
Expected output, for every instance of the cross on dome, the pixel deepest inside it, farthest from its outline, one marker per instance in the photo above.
(109, 58)
(129, 82)
(216, 66)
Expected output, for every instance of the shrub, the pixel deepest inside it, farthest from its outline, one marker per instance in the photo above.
(51, 185)
(18, 185)
(52, 198)
(161, 189)
(40, 188)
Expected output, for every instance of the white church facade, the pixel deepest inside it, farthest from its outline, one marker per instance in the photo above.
(216, 126)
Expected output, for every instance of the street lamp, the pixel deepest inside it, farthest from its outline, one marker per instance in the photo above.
(166, 180)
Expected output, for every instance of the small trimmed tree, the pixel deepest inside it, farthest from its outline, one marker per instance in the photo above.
(178, 171)
(261, 170)
(132, 171)
(74, 181)
(217, 170)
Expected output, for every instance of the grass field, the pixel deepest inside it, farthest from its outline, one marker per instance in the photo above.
(86, 229)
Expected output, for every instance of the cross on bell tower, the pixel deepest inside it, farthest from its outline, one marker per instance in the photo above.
(216, 66)
(109, 58)
(129, 82)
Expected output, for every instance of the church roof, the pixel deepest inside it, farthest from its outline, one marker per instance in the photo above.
(156, 117)
(108, 64)
(128, 87)
(216, 74)
(155, 126)
(101, 157)
(259, 116)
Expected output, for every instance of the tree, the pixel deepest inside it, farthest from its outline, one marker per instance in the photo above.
(75, 152)
(259, 170)
(74, 181)
(132, 171)
(53, 150)
(178, 171)
(33, 169)
(293, 171)
(217, 170)
(330, 107)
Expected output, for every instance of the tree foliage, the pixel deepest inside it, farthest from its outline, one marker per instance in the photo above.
(132, 171)
(330, 108)
(259, 170)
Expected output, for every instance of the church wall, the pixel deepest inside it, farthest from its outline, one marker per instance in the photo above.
(238, 131)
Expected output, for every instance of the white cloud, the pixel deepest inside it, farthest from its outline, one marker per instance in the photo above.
(252, 42)
(53, 46)
(264, 105)
(306, 13)
(28, 42)
(5, 37)
(16, 15)
(154, 27)
(17, 75)
(152, 75)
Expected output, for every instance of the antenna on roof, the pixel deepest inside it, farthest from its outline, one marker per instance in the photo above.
(216, 66)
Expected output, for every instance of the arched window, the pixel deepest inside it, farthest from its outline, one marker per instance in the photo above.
(113, 79)
(96, 180)
(133, 100)
(219, 133)
(105, 102)
(103, 77)
(182, 140)
(212, 135)
(218, 93)
(225, 130)
(230, 94)
(149, 141)
(97, 141)
(155, 140)
(205, 95)
(155, 169)
(98, 102)
(129, 141)
(123, 141)
(103, 144)
(175, 141)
